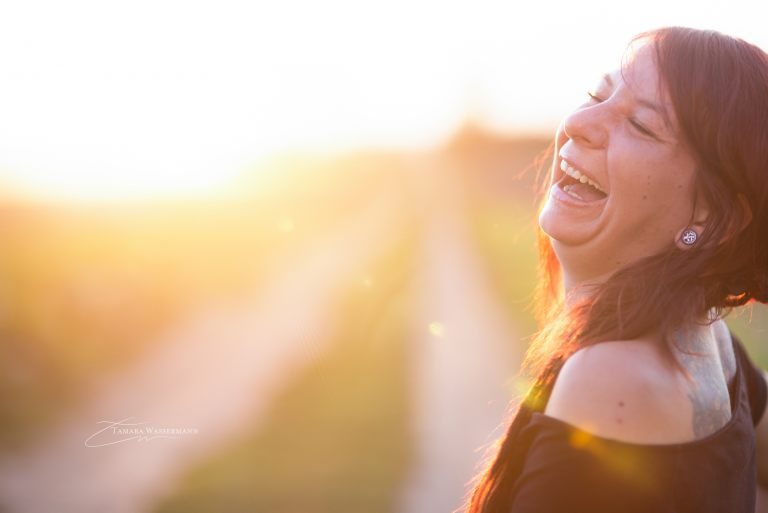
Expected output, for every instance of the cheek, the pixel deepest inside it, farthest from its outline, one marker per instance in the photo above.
(655, 194)
(670, 191)
(662, 191)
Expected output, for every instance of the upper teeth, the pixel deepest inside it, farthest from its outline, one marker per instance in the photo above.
(570, 171)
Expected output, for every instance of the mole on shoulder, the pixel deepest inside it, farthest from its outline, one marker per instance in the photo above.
(621, 403)
(618, 419)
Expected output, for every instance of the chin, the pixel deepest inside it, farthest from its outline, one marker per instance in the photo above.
(576, 245)
(563, 228)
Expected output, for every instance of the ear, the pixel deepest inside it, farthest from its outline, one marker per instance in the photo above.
(698, 229)
(701, 215)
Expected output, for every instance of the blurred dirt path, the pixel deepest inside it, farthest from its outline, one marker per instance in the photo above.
(216, 374)
(463, 352)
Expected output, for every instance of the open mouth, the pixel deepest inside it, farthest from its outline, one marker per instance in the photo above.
(578, 186)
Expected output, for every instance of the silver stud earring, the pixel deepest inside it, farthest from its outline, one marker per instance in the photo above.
(689, 237)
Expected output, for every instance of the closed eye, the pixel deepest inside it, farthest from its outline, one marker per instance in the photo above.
(634, 123)
(641, 128)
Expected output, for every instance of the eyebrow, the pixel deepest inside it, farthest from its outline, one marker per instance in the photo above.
(646, 103)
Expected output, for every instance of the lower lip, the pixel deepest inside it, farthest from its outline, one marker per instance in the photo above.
(563, 197)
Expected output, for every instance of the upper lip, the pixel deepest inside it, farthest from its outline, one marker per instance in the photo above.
(578, 166)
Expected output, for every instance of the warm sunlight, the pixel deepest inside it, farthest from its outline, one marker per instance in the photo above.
(103, 101)
(299, 256)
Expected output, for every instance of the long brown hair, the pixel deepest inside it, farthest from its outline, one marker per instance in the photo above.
(718, 86)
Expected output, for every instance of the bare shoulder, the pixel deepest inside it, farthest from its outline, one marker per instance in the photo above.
(621, 390)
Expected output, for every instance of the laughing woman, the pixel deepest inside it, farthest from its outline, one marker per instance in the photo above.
(653, 226)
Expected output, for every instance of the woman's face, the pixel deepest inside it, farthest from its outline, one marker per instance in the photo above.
(625, 139)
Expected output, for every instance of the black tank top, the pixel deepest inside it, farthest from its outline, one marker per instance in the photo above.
(571, 470)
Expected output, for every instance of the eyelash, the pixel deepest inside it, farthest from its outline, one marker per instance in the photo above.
(637, 125)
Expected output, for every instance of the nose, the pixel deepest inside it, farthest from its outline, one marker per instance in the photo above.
(588, 126)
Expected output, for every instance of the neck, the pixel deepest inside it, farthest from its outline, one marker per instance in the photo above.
(576, 291)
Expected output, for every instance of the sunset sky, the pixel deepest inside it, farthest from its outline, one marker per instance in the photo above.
(109, 99)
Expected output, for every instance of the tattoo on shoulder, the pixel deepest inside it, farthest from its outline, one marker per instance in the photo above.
(710, 399)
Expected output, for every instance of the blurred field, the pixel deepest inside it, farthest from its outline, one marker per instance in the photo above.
(500, 177)
(336, 440)
(85, 288)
